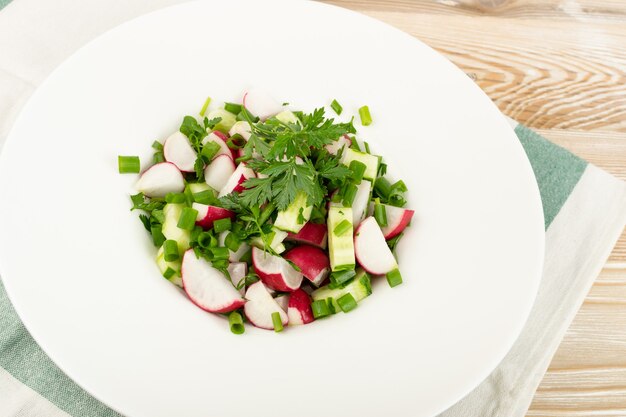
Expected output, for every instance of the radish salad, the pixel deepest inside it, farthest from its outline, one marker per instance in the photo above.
(268, 215)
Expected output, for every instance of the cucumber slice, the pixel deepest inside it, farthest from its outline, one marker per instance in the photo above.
(170, 226)
(340, 248)
(360, 287)
(287, 117)
(371, 162)
(277, 236)
(198, 187)
(288, 219)
(227, 122)
(163, 265)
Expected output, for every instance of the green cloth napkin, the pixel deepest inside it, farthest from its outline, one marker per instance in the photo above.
(584, 208)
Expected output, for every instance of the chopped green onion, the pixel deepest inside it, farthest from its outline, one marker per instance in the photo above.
(336, 107)
(169, 273)
(336, 197)
(157, 234)
(232, 242)
(349, 194)
(205, 106)
(380, 214)
(158, 157)
(220, 264)
(382, 188)
(170, 250)
(209, 150)
(188, 195)
(358, 169)
(367, 147)
(341, 277)
(206, 240)
(366, 117)
(128, 164)
(187, 218)
(331, 305)
(156, 145)
(220, 253)
(175, 198)
(342, 227)
(245, 116)
(382, 169)
(320, 309)
(233, 108)
(205, 197)
(235, 321)
(277, 321)
(222, 225)
(394, 278)
(346, 302)
(236, 142)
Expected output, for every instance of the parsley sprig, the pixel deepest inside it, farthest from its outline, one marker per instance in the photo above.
(291, 155)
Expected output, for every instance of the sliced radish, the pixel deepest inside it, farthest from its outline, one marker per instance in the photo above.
(275, 272)
(333, 148)
(207, 215)
(241, 128)
(207, 287)
(283, 301)
(371, 249)
(260, 307)
(237, 272)
(299, 309)
(219, 138)
(237, 178)
(179, 151)
(261, 104)
(312, 233)
(160, 179)
(217, 173)
(233, 256)
(398, 219)
(361, 200)
(313, 262)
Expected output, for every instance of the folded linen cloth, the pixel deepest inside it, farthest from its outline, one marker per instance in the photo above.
(584, 208)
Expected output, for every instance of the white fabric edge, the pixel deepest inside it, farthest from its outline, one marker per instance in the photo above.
(578, 242)
(19, 400)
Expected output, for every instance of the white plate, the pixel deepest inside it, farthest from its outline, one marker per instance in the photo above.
(79, 266)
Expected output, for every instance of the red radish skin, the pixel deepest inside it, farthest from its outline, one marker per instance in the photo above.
(207, 215)
(217, 173)
(178, 150)
(275, 272)
(207, 287)
(299, 308)
(397, 220)
(239, 187)
(312, 234)
(371, 250)
(161, 179)
(313, 262)
(260, 306)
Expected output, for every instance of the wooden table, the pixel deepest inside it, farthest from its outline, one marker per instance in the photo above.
(557, 66)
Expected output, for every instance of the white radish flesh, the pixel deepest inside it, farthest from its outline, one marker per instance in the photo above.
(260, 307)
(207, 287)
(217, 173)
(233, 256)
(161, 179)
(261, 104)
(371, 250)
(241, 128)
(179, 151)
(275, 272)
(241, 173)
(237, 272)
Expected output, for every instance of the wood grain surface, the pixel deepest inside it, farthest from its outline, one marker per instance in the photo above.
(558, 66)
